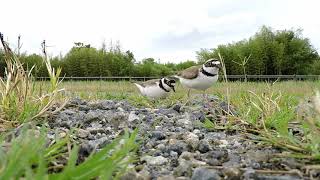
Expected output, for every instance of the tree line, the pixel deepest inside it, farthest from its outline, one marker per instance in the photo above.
(267, 52)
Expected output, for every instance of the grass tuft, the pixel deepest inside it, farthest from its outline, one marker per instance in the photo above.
(28, 156)
(19, 101)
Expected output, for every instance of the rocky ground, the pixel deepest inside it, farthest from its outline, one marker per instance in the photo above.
(173, 142)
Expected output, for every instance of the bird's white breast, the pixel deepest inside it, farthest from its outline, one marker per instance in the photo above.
(202, 82)
(153, 91)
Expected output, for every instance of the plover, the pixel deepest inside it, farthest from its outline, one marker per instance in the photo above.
(156, 88)
(200, 77)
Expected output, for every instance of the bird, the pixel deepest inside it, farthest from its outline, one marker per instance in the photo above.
(200, 77)
(156, 88)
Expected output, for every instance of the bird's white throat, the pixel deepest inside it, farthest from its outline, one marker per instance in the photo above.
(211, 70)
(165, 86)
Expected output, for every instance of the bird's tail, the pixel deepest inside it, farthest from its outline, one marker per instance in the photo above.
(139, 86)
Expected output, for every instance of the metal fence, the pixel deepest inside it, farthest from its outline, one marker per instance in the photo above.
(229, 77)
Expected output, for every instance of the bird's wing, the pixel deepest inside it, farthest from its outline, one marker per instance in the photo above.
(189, 73)
(149, 82)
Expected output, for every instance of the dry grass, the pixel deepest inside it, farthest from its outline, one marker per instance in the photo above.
(20, 101)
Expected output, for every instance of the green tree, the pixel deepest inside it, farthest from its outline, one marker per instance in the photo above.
(272, 52)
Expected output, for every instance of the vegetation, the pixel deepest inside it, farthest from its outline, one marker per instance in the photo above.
(267, 52)
(26, 152)
(18, 101)
(275, 114)
(271, 52)
(29, 157)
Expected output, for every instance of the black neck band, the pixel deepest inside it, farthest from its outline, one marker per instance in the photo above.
(161, 86)
(207, 73)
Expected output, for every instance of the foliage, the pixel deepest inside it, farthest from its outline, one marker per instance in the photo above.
(28, 157)
(274, 118)
(18, 99)
(271, 52)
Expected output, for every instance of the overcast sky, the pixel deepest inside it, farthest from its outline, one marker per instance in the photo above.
(169, 30)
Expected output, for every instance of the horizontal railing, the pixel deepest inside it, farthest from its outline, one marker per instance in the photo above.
(230, 77)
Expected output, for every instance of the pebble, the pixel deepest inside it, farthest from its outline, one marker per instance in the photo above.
(172, 143)
(155, 161)
(192, 140)
(205, 174)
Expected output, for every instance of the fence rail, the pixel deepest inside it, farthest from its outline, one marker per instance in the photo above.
(229, 77)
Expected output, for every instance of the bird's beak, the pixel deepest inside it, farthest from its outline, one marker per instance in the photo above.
(219, 66)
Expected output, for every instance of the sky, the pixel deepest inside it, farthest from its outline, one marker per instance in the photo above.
(166, 30)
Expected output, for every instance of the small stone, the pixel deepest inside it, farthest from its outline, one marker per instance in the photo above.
(185, 123)
(94, 130)
(196, 131)
(192, 140)
(187, 155)
(120, 109)
(95, 124)
(197, 163)
(273, 177)
(132, 175)
(213, 162)
(133, 117)
(172, 141)
(177, 107)
(62, 134)
(173, 154)
(182, 178)
(184, 168)
(69, 112)
(250, 174)
(161, 146)
(91, 116)
(83, 133)
(205, 174)
(199, 115)
(178, 147)
(232, 173)
(77, 101)
(155, 161)
(223, 143)
(139, 167)
(158, 135)
(204, 146)
(84, 107)
(168, 177)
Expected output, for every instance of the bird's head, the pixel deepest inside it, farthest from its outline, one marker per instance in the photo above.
(170, 83)
(212, 66)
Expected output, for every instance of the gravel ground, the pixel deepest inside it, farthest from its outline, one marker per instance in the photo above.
(173, 142)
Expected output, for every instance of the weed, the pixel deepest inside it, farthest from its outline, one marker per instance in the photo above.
(19, 102)
(27, 156)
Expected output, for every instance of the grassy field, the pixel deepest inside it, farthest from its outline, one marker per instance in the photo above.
(95, 90)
